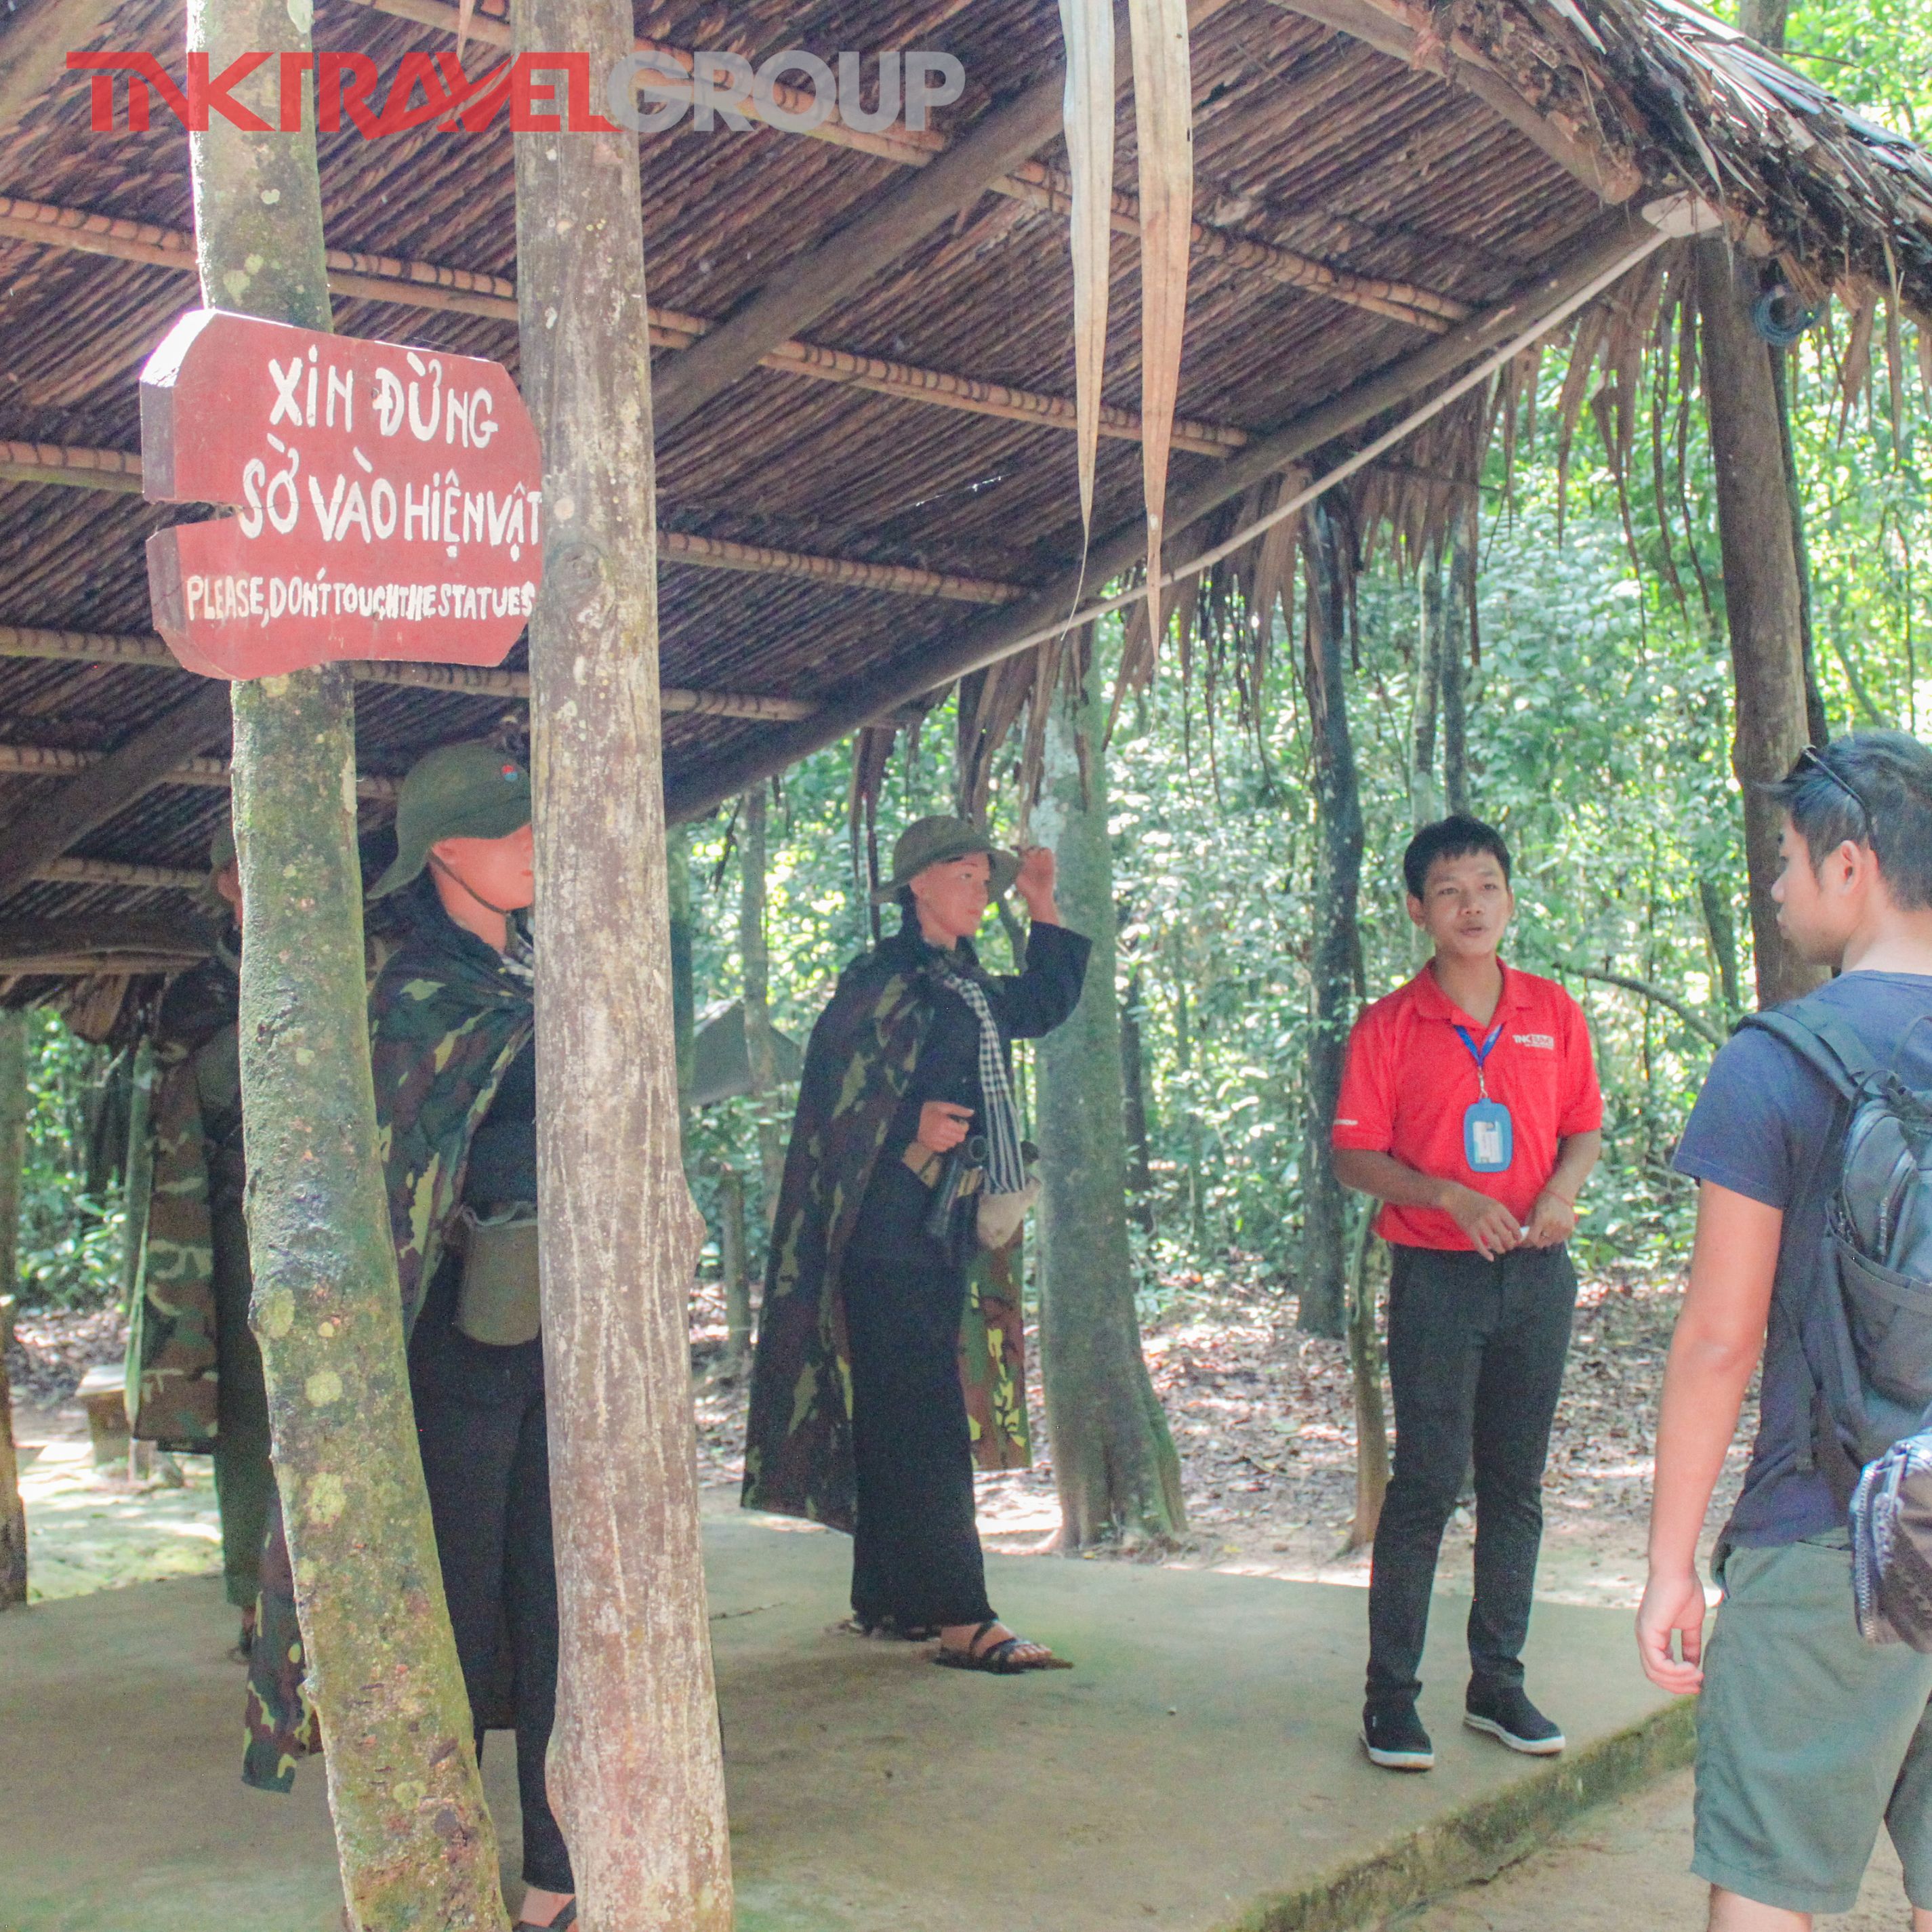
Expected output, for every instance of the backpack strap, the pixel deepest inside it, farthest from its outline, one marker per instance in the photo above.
(1824, 1043)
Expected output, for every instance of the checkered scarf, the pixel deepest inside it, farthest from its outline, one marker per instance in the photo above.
(1006, 1163)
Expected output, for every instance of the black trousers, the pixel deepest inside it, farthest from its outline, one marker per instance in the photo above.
(916, 1556)
(480, 1423)
(1476, 1350)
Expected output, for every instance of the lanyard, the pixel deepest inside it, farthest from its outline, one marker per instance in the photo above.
(1480, 1054)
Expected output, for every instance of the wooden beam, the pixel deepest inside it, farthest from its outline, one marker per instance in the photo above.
(428, 285)
(208, 774)
(816, 282)
(1607, 242)
(48, 827)
(1389, 27)
(471, 680)
(35, 48)
(113, 872)
(1030, 181)
(95, 934)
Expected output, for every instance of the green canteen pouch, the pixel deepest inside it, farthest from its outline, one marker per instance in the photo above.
(497, 1302)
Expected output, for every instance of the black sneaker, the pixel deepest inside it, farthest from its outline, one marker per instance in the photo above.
(1394, 1737)
(1508, 1714)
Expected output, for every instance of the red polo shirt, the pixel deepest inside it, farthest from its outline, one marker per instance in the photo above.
(1409, 1078)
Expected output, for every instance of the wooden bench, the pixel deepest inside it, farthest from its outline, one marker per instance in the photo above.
(103, 1394)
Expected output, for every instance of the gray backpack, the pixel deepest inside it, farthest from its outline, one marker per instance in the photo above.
(1870, 1304)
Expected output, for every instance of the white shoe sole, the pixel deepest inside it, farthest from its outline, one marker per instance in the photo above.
(1391, 1760)
(1529, 1746)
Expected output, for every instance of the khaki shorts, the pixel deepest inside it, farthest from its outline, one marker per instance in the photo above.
(1808, 1737)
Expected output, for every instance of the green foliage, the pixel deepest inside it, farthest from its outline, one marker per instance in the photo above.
(70, 1226)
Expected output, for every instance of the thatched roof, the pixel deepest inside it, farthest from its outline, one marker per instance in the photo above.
(1372, 178)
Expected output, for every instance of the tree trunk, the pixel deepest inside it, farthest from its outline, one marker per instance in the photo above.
(1453, 664)
(683, 979)
(1114, 1461)
(1721, 928)
(1338, 875)
(1425, 796)
(1764, 21)
(1183, 1065)
(137, 1184)
(1134, 1106)
(635, 1764)
(413, 1834)
(731, 1267)
(1365, 1364)
(756, 960)
(1762, 601)
(13, 1153)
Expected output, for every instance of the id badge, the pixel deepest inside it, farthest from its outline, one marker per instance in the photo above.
(1488, 1140)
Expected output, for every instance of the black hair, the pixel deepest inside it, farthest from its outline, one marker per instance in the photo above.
(1874, 788)
(1455, 837)
(908, 905)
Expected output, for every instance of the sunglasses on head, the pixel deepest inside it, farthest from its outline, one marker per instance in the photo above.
(1813, 759)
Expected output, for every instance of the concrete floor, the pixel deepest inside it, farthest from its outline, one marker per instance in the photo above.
(1201, 1758)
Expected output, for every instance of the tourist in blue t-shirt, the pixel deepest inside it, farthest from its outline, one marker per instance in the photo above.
(1808, 1736)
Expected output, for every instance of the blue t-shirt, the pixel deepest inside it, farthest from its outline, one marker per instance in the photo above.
(1761, 1128)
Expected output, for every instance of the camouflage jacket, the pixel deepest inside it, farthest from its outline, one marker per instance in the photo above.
(195, 1119)
(859, 1066)
(447, 1015)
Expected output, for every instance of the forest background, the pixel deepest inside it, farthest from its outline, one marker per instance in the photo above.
(1596, 694)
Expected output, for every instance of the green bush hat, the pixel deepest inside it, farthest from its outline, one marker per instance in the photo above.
(932, 841)
(220, 856)
(457, 791)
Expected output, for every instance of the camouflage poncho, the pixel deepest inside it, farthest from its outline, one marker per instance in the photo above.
(858, 1068)
(172, 1397)
(447, 1015)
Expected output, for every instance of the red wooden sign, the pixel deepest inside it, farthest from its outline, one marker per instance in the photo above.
(390, 500)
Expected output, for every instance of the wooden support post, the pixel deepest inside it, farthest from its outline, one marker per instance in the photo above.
(413, 1834)
(13, 1154)
(1338, 873)
(636, 1766)
(1762, 603)
(1114, 1461)
(1425, 792)
(1452, 663)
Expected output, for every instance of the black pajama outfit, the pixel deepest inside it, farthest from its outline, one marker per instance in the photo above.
(916, 1558)
(482, 1425)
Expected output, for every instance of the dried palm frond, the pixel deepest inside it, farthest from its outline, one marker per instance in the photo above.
(1164, 132)
(1087, 113)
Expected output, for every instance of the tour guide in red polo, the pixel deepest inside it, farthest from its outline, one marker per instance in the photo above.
(1469, 1106)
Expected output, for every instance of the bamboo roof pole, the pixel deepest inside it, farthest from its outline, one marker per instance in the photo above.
(635, 1760)
(109, 469)
(94, 647)
(1611, 245)
(426, 285)
(414, 1838)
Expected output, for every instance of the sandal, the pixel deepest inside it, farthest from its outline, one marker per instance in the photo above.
(887, 1626)
(999, 1660)
(566, 1915)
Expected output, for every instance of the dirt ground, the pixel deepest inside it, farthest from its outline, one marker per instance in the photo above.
(1263, 1418)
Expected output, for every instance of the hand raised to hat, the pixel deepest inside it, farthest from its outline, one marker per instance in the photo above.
(1034, 883)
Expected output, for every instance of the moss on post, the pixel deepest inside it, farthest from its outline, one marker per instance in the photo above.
(413, 1834)
(635, 1765)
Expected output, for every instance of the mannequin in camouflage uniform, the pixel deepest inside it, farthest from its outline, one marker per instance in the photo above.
(194, 1371)
(452, 1024)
